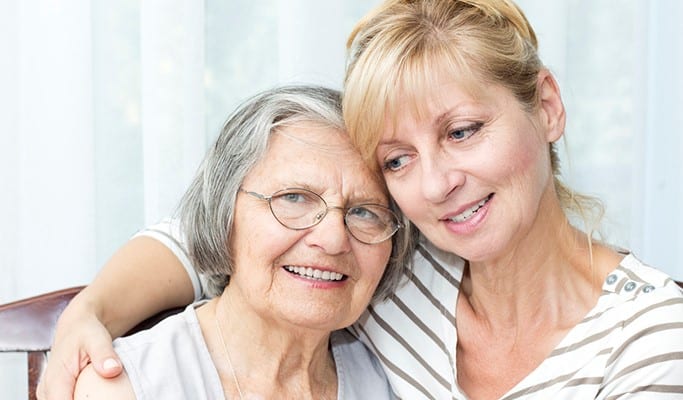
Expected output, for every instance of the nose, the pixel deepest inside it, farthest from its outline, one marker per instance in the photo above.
(330, 234)
(440, 176)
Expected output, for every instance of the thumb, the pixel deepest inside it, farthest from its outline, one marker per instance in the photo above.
(103, 358)
(107, 364)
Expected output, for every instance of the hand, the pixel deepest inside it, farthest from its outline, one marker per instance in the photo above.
(80, 339)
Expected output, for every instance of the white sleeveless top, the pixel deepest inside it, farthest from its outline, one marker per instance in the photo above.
(171, 361)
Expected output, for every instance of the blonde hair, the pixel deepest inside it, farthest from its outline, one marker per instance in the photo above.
(396, 50)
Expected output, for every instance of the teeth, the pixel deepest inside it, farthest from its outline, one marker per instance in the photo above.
(314, 273)
(463, 216)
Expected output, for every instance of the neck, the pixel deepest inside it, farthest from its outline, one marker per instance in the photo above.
(548, 276)
(267, 358)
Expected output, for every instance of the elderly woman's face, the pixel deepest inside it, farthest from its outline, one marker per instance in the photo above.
(319, 277)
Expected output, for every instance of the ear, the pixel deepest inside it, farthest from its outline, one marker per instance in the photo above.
(551, 110)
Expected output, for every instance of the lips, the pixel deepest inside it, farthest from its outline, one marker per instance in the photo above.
(312, 273)
(469, 212)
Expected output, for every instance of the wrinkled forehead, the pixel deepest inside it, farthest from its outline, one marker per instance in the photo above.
(311, 152)
(314, 138)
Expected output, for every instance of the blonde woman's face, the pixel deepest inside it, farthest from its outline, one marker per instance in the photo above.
(316, 278)
(471, 171)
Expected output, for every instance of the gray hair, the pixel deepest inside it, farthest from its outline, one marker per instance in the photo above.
(206, 210)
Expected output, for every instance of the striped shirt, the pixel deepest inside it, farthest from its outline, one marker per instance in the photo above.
(630, 345)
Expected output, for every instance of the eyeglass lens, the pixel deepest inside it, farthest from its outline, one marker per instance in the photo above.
(300, 209)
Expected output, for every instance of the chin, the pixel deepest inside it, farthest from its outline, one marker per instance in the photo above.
(321, 321)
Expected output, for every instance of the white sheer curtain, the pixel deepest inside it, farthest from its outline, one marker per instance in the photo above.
(48, 181)
(107, 107)
(619, 64)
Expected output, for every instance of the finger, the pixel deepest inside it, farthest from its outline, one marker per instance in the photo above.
(107, 365)
(103, 358)
(57, 383)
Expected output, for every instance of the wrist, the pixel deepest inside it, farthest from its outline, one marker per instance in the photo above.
(82, 307)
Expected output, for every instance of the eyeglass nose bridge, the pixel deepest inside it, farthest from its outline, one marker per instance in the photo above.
(320, 215)
(323, 213)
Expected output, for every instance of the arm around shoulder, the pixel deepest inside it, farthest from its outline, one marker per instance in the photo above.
(142, 278)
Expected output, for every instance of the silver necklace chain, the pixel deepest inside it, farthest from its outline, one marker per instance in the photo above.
(227, 356)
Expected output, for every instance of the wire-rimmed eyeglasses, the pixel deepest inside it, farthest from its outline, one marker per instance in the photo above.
(298, 209)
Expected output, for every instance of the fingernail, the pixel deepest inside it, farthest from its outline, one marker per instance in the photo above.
(110, 363)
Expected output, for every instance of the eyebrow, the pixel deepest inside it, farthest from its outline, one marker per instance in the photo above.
(355, 199)
(457, 110)
(439, 120)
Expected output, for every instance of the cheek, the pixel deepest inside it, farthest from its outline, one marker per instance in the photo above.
(522, 162)
(406, 194)
(258, 239)
(374, 261)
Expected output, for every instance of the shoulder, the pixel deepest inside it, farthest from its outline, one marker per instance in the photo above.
(181, 332)
(359, 372)
(168, 233)
(644, 308)
(90, 385)
(180, 325)
(635, 281)
(168, 228)
(170, 360)
(170, 244)
(348, 349)
(637, 296)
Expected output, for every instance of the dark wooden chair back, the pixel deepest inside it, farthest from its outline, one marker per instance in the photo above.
(27, 326)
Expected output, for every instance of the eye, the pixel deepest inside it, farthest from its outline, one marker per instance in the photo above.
(465, 133)
(362, 212)
(291, 197)
(394, 164)
(297, 197)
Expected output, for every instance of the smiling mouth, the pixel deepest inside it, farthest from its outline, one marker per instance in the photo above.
(467, 214)
(312, 273)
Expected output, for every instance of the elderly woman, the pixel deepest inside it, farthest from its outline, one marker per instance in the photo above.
(294, 233)
(507, 299)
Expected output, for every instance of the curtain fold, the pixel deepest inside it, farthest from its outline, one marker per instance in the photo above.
(660, 217)
(50, 187)
(172, 99)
